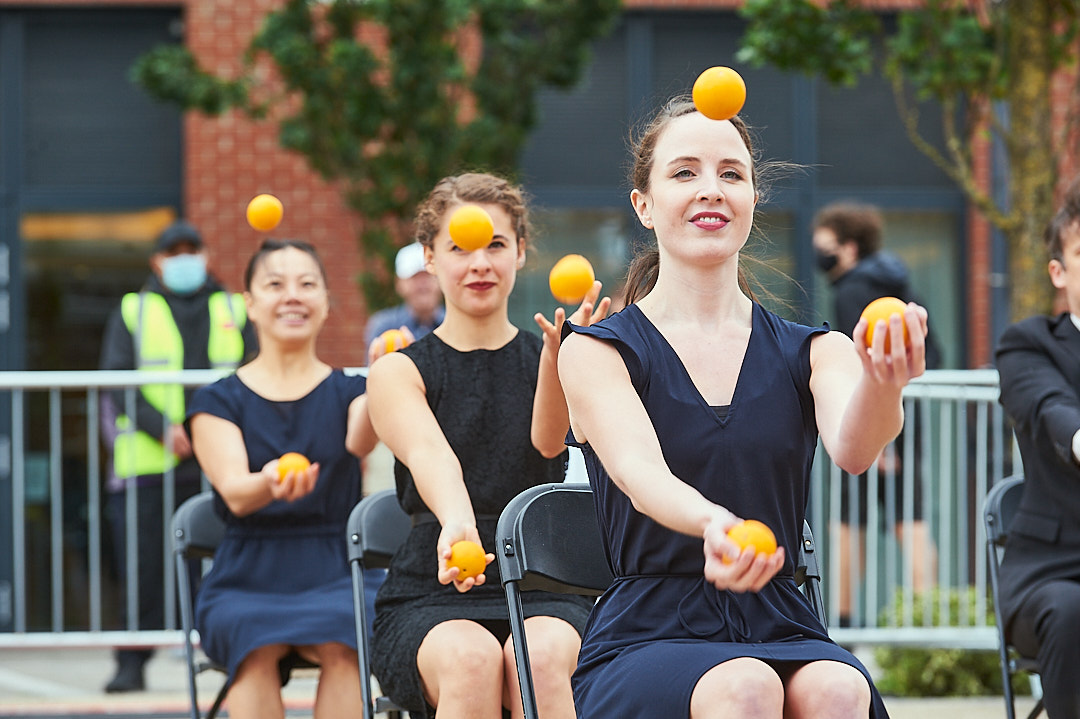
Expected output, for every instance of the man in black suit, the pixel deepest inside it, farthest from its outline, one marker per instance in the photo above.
(1039, 362)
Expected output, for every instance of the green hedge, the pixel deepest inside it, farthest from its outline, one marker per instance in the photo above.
(919, 672)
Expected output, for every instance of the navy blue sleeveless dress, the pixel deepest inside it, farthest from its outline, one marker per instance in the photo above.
(281, 575)
(661, 626)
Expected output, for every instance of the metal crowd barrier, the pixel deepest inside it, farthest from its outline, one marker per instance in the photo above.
(57, 590)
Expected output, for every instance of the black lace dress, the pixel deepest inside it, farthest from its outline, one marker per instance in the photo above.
(483, 401)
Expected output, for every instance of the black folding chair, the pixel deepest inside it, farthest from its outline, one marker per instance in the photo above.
(377, 526)
(196, 532)
(549, 539)
(808, 574)
(1002, 503)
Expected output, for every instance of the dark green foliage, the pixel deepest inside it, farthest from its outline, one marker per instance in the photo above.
(834, 41)
(921, 672)
(389, 123)
(980, 63)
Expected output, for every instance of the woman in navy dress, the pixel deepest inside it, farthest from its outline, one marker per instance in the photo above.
(474, 414)
(694, 407)
(280, 585)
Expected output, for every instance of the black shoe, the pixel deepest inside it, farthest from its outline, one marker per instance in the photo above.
(129, 672)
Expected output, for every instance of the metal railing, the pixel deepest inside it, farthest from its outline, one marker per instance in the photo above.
(56, 588)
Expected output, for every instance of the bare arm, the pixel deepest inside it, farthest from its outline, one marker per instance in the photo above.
(606, 411)
(857, 389)
(401, 417)
(550, 419)
(219, 447)
(360, 437)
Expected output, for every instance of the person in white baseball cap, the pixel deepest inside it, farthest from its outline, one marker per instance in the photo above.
(421, 310)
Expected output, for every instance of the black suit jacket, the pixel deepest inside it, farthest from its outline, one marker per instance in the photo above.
(1038, 360)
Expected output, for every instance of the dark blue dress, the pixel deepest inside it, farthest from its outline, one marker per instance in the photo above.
(281, 575)
(661, 626)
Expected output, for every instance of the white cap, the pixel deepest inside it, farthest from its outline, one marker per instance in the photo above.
(409, 261)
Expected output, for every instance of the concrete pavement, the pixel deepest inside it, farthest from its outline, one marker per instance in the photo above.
(68, 683)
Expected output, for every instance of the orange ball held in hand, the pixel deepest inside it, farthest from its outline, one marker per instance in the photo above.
(754, 534)
(882, 309)
(291, 462)
(468, 557)
(264, 212)
(471, 227)
(719, 93)
(570, 279)
(393, 340)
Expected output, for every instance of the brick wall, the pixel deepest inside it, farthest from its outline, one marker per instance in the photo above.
(229, 160)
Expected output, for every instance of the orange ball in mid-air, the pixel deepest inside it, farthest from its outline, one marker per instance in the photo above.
(468, 557)
(719, 93)
(291, 462)
(882, 309)
(570, 279)
(471, 227)
(754, 534)
(393, 340)
(264, 212)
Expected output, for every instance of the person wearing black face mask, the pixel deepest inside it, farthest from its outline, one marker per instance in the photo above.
(847, 249)
(181, 318)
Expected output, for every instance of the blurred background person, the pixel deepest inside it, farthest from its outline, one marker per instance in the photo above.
(182, 318)
(421, 309)
(847, 246)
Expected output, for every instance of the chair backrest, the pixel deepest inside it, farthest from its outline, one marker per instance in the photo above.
(196, 529)
(377, 526)
(1002, 502)
(549, 539)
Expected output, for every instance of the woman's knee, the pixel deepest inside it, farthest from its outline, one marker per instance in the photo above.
(461, 647)
(739, 687)
(827, 689)
(331, 655)
(262, 661)
(552, 642)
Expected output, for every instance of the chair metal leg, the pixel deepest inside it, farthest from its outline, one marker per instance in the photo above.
(360, 620)
(219, 700)
(187, 621)
(521, 650)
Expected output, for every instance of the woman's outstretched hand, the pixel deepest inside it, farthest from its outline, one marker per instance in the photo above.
(728, 568)
(450, 534)
(905, 360)
(589, 311)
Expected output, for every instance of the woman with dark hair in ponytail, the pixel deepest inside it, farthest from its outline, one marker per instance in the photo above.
(696, 407)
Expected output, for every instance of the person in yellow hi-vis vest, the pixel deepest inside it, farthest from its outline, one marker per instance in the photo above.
(182, 318)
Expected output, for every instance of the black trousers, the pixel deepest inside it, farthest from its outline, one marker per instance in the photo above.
(1047, 627)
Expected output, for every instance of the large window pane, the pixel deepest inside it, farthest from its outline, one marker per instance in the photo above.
(601, 235)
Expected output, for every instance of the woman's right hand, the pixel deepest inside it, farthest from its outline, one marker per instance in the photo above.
(728, 568)
(293, 485)
(451, 533)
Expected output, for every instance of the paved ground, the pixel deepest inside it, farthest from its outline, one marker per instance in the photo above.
(67, 683)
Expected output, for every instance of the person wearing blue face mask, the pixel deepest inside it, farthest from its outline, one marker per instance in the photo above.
(181, 318)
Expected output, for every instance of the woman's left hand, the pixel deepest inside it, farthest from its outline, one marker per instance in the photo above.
(905, 360)
(450, 534)
(588, 312)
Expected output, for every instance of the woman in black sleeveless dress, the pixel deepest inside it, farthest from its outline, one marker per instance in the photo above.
(474, 415)
(695, 406)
